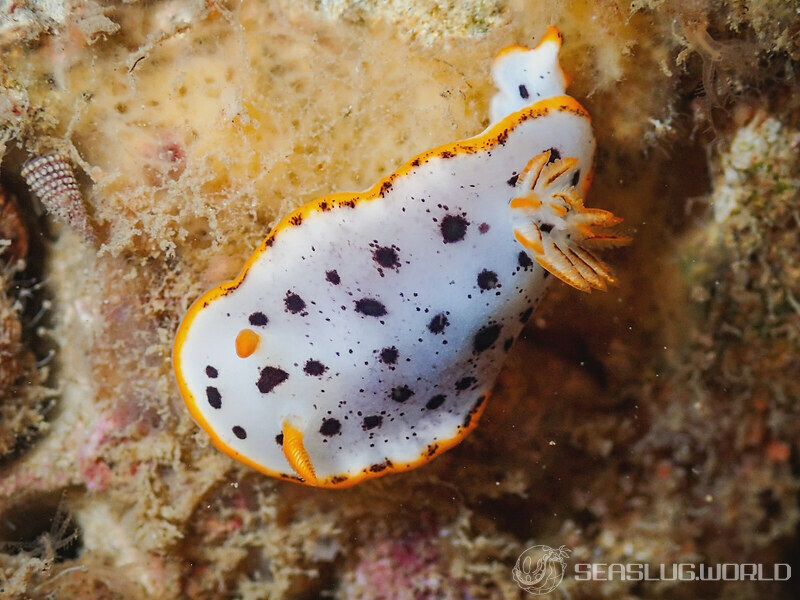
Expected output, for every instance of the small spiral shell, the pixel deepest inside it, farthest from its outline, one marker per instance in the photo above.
(52, 180)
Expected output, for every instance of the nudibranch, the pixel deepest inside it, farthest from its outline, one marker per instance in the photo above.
(365, 334)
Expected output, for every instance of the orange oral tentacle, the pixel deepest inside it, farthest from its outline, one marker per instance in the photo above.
(297, 455)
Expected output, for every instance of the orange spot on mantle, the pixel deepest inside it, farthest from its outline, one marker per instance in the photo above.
(247, 342)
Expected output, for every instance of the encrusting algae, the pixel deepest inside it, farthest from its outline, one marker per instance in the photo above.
(192, 128)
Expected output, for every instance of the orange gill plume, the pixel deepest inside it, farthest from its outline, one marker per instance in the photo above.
(561, 233)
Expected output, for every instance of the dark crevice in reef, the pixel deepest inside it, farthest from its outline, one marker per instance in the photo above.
(40, 527)
(27, 289)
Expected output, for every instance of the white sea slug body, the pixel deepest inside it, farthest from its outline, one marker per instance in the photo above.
(365, 334)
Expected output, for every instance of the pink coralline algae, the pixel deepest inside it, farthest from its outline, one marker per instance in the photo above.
(412, 567)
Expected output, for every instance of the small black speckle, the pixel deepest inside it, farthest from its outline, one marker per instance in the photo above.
(370, 307)
(211, 372)
(258, 319)
(371, 422)
(330, 427)
(239, 432)
(214, 397)
(523, 92)
(333, 277)
(435, 402)
(576, 177)
(438, 323)
(484, 228)
(512, 181)
(401, 393)
(525, 316)
(279, 439)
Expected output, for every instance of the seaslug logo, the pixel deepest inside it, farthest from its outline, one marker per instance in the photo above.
(540, 569)
(682, 572)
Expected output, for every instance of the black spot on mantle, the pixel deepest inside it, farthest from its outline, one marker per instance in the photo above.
(314, 368)
(294, 303)
(258, 319)
(386, 256)
(464, 383)
(330, 427)
(270, 378)
(370, 307)
(435, 402)
(389, 355)
(486, 336)
(453, 228)
(438, 323)
(487, 280)
(401, 393)
(214, 397)
(371, 422)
